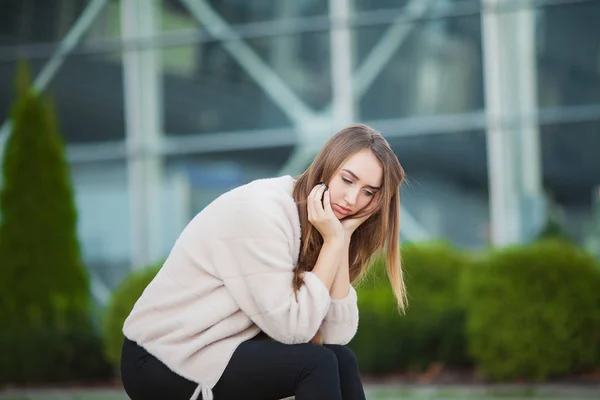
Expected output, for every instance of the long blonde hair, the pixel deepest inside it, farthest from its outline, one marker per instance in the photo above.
(380, 231)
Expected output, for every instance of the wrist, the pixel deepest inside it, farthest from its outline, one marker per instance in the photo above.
(334, 241)
(347, 236)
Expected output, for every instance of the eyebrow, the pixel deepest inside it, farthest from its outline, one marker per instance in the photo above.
(358, 179)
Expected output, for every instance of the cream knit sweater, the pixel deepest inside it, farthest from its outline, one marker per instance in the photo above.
(228, 277)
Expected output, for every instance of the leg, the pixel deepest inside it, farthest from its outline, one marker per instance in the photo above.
(262, 369)
(146, 378)
(350, 380)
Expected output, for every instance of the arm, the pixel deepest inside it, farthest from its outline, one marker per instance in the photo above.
(321, 216)
(341, 321)
(331, 251)
(257, 264)
(341, 284)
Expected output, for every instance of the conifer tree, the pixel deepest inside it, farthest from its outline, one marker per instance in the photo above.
(44, 287)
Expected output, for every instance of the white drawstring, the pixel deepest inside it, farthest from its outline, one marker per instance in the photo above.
(206, 393)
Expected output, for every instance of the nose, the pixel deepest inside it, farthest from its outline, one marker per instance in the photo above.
(351, 196)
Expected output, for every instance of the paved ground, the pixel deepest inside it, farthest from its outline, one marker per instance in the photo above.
(374, 392)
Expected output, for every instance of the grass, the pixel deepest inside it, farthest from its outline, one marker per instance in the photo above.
(487, 393)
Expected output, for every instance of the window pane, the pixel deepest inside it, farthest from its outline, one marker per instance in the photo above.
(436, 68)
(569, 54)
(446, 186)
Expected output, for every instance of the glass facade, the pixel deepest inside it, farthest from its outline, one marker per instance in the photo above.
(239, 85)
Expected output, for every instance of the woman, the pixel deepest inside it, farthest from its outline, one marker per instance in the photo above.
(255, 299)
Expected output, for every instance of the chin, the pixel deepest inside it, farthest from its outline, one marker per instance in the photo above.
(340, 216)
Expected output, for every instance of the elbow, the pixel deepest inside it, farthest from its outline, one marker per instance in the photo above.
(297, 339)
(289, 326)
(340, 340)
(340, 334)
(289, 337)
(293, 333)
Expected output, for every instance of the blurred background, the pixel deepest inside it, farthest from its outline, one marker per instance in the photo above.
(492, 107)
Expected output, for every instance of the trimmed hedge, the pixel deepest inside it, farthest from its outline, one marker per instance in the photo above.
(433, 329)
(534, 311)
(34, 356)
(525, 312)
(119, 307)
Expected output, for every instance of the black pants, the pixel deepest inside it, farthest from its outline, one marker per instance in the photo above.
(260, 369)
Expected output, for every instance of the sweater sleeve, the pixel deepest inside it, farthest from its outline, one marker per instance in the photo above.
(257, 268)
(341, 321)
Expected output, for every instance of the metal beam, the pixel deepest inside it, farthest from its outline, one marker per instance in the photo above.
(247, 58)
(383, 51)
(516, 199)
(48, 71)
(386, 47)
(443, 9)
(341, 45)
(278, 137)
(143, 119)
(311, 136)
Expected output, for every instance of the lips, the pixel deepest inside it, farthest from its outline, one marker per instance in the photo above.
(342, 210)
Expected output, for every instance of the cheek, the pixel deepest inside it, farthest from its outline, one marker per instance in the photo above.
(334, 190)
(365, 201)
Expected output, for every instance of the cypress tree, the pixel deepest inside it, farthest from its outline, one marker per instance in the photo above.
(44, 287)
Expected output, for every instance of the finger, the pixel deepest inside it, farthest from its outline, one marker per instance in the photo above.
(310, 211)
(310, 203)
(316, 193)
(314, 202)
(318, 196)
(313, 193)
(327, 203)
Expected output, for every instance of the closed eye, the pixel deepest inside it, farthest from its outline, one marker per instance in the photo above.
(349, 182)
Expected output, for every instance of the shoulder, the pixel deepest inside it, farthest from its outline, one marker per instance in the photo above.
(266, 203)
(260, 208)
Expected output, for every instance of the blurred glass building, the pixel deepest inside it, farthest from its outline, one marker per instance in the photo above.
(492, 107)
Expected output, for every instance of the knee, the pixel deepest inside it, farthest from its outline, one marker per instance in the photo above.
(320, 357)
(346, 358)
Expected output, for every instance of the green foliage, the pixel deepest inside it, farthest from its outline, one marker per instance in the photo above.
(432, 329)
(553, 230)
(533, 311)
(592, 239)
(44, 288)
(42, 277)
(121, 304)
(51, 354)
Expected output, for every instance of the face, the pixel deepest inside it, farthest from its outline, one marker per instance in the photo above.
(355, 184)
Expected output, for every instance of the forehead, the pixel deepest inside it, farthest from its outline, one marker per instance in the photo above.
(366, 166)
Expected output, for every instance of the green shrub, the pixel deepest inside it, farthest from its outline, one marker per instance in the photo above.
(433, 329)
(533, 311)
(119, 307)
(553, 230)
(52, 355)
(44, 287)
